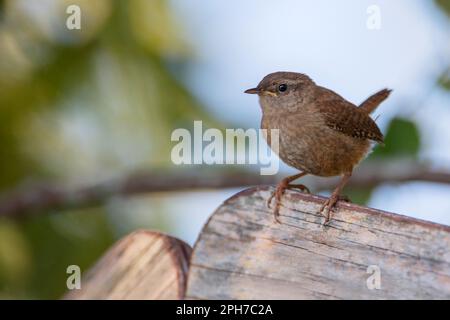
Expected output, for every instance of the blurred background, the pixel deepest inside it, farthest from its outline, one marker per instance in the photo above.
(86, 115)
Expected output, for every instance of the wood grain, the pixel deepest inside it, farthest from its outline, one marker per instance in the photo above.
(143, 265)
(243, 254)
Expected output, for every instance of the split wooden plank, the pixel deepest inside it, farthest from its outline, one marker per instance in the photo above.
(143, 265)
(242, 253)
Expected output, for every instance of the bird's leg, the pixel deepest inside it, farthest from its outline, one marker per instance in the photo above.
(334, 198)
(281, 188)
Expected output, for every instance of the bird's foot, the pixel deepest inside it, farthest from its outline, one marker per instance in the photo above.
(300, 187)
(278, 193)
(329, 205)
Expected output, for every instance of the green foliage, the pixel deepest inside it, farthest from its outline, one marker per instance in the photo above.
(35, 254)
(402, 139)
(444, 80)
(359, 195)
(444, 5)
(45, 79)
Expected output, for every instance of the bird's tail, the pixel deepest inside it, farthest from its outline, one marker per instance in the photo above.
(372, 102)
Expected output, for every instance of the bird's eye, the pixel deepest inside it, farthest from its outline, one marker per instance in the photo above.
(282, 87)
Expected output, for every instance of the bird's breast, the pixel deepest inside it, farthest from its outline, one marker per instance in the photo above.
(306, 143)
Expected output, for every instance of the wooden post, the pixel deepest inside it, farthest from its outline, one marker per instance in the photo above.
(242, 253)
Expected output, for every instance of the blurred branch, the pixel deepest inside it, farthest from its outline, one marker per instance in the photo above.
(46, 196)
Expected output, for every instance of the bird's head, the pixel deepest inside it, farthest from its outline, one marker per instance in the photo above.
(283, 91)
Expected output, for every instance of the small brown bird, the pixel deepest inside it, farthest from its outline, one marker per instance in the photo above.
(320, 132)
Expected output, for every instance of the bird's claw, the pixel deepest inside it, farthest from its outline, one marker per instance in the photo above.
(277, 218)
(329, 206)
(269, 201)
(278, 194)
(300, 187)
(326, 210)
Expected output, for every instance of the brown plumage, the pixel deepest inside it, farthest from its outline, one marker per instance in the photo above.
(344, 117)
(321, 133)
(372, 102)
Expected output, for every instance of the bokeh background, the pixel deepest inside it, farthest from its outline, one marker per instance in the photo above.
(89, 106)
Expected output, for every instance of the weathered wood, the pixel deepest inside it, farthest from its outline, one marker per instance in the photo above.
(143, 265)
(243, 254)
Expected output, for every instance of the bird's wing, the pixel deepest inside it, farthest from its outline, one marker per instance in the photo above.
(346, 118)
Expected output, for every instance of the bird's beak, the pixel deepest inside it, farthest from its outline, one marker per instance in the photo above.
(253, 91)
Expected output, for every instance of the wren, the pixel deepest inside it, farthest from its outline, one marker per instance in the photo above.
(320, 132)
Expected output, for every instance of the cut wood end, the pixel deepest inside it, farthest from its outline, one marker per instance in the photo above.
(143, 265)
